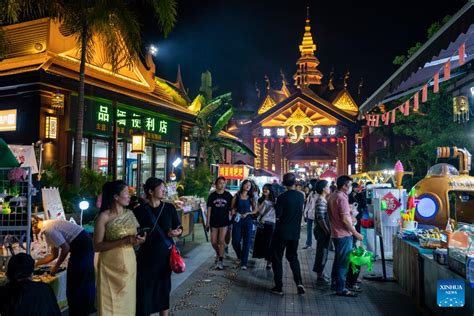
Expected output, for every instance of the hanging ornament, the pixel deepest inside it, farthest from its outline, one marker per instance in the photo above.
(436, 83)
(460, 109)
(447, 70)
(424, 93)
(394, 114)
(407, 108)
(377, 117)
(386, 118)
(462, 50)
(416, 102)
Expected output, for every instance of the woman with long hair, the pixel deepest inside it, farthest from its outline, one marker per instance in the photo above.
(266, 223)
(322, 231)
(153, 257)
(243, 203)
(309, 212)
(115, 235)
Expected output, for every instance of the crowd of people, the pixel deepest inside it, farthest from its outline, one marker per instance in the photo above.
(132, 238)
(272, 222)
(133, 275)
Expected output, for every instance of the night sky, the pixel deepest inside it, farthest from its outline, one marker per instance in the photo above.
(241, 41)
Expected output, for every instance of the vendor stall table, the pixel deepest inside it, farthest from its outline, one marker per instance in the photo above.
(418, 274)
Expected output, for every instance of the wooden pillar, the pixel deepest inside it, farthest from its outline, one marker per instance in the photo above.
(350, 152)
(365, 147)
(278, 158)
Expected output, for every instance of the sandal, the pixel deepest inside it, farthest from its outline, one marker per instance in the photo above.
(347, 294)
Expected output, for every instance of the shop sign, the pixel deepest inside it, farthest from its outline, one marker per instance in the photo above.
(8, 120)
(102, 162)
(231, 171)
(316, 131)
(99, 119)
(392, 203)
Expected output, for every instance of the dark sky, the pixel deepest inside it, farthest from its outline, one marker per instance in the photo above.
(241, 41)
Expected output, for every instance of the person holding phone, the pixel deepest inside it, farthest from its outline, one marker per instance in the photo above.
(115, 235)
(153, 257)
(218, 210)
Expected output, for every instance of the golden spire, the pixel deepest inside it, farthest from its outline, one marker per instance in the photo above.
(307, 72)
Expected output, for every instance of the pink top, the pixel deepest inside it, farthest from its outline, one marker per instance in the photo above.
(398, 166)
(338, 208)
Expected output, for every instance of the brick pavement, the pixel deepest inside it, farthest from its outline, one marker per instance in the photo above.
(234, 292)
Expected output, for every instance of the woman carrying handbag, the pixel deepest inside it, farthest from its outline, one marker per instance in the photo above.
(153, 258)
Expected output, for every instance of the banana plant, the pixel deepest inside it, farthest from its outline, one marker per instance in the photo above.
(211, 121)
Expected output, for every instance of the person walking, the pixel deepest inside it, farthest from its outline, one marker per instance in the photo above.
(63, 238)
(218, 211)
(153, 257)
(342, 230)
(308, 214)
(288, 211)
(322, 231)
(265, 224)
(115, 235)
(243, 204)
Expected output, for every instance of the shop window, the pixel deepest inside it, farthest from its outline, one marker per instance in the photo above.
(84, 146)
(100, 155)
(120, 161)
(160, 163)
(147, 163)
(461, 205)
(186, 148)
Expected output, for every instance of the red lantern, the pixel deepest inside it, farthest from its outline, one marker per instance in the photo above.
(307, 140)
(333, 139)
(288, 140)
(341, 139)
(324, 140)
(259, 140)
(316, 140)
(273, 140)
(280, 140)
(265, 140)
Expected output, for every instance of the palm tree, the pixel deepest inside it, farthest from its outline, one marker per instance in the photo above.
(210, 121)
(114, 22)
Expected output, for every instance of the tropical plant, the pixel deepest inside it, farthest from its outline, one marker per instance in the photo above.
(114, 22)
(196, 182)
(210, 122)
(92, 182)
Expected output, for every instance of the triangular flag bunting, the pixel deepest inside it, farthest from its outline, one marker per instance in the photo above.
(447, 70)
(424, 93)
(462, 50)
(386, 118)
(436, 83)
(416, 102)
(377, 120)
(407, 108)
(394, 113)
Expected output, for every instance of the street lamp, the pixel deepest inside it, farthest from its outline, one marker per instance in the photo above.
(175, 164)
(138, 147)
(153, 50)
(83, 205)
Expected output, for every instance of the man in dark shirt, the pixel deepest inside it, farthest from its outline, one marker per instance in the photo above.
(21, 296)
(289, 211)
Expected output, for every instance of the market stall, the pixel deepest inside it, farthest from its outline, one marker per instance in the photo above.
(436, 243)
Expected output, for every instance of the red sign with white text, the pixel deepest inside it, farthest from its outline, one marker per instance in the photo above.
(231, 171)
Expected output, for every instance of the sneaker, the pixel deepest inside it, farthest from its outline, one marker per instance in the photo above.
(243, 268)
(323, 281)
(220, 265)
(277, 291)
(301, 289)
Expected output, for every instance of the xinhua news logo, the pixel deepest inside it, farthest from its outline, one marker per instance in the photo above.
(451, 293)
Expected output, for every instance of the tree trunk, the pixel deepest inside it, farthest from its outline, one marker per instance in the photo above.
(76, 164)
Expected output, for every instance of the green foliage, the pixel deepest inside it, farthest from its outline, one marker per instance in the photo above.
(435, 27)
(206, 85)
(197, 181)
(91, 183)
(51, 177)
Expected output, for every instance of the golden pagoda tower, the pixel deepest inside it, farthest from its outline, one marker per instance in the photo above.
(307, 72)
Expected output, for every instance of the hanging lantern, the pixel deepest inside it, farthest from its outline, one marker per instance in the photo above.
(333, 139)
(324, 140)
(307, 140)
(460, 109)
(316, 140)
(341, 139)
(138, 143)
(273, 140)
(280, 140)
(265, 140)
(287, 140)
(259, 140)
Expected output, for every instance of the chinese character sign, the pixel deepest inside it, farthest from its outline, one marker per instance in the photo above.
(392, 203)
(267, 132)
(281, 132)
(231, 171)
(103, 114)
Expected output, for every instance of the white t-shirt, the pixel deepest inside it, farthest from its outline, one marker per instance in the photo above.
(59, 231)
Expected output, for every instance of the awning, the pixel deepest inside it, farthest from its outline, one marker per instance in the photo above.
(422, 66)
(328, 174)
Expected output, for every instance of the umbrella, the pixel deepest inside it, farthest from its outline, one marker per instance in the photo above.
(7, 159)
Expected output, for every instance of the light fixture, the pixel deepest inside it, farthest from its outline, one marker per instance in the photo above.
(138, 143)
(177, 162)
(57, 102)
(83, 205)
(51, 127)
(153, 50)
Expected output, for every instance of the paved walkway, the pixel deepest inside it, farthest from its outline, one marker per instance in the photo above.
(233, 292)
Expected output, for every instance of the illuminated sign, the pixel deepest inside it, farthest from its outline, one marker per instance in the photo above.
(8, 120)
(51, 127)
(267, 132)
(281, 132)
(231, 171)
(317, 131)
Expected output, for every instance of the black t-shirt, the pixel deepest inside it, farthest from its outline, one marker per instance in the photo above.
(289, 210)
(220, 208)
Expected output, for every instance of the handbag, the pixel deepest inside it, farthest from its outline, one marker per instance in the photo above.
(260, 223)
(177, 263)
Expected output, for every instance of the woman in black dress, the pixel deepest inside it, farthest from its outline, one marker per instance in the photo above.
(153, 257)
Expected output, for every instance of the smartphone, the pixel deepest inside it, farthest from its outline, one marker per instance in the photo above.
(142, 230)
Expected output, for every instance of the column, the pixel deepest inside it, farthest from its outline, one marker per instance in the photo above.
(350, 150)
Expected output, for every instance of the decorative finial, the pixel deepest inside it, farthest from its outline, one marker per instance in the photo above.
(283, 78)
(331, 78)
(361, 84)
(258, 90)
(268, 82)
(307, 13)
(346, 78)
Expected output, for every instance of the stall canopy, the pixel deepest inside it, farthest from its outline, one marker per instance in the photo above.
(422, 66)
(328, 174)
(7, 159)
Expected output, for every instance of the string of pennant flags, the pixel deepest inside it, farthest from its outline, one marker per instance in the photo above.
(390, 117)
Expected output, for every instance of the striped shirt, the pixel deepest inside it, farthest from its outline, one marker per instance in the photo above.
(321, 210)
